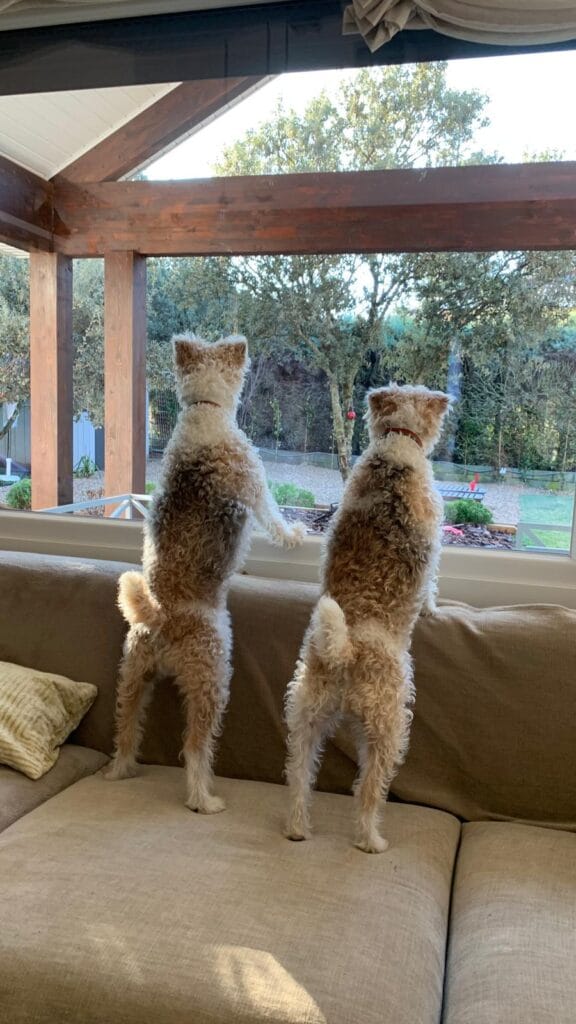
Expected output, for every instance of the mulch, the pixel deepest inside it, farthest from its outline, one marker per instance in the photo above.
(479, 537)
(318, 520)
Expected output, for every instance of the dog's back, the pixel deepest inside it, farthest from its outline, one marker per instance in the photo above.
(381, 540)
(197, 524)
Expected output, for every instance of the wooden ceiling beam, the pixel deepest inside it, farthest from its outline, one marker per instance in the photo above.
(151, 132)
(491, 207)
(25, 208)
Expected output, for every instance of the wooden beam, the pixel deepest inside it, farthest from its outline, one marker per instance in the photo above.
(524, 206)
(125, 373)
(147, 135)
(25, 208)
(51, 379)
(260, 39)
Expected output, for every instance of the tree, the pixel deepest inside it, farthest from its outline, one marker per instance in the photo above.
(330, 309)
(493, 316)
(14, 357)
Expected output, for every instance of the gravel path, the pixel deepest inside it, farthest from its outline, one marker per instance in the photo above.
(503, 500)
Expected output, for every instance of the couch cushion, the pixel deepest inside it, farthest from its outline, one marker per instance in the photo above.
(493, 732)
(19, 795)
(491, 736)
(512, 953)
(131, 908)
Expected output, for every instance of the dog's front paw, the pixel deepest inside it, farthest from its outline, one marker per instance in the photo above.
(428, 608)
(298, 826)
(296, 835)
(208, 805)
(372, 844)
(121, 768)
(294, 537)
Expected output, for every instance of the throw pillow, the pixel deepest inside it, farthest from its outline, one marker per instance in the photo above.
(38, 710)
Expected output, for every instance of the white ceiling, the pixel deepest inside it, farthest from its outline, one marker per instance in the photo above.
(16, 14)
(46, 132)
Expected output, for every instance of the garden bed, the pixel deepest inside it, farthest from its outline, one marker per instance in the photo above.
(318, 519)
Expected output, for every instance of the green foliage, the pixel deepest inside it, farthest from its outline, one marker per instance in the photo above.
(466, 510)
(400, 116)
(290, 494)
(330, 309)
(85, 467)
(150, 487)
(20, 494)
(14, 336)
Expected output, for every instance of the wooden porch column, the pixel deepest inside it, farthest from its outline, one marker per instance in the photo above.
(51, 378)
(125, 373)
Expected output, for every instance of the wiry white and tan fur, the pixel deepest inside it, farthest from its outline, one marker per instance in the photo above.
(379, 572)
(213, 483)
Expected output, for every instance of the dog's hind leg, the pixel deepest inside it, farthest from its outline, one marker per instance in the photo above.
(135, 686)
(383, 721)
(311, 711)
(203, 677)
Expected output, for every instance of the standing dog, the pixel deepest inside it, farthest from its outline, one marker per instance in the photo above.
(195, 538)
(379, 573)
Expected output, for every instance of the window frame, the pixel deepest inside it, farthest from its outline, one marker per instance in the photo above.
(475, 576)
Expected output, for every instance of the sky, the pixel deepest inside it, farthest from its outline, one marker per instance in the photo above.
(531, 102)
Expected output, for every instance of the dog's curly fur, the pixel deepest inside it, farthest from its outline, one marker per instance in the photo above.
(379, 572)
(195, 537)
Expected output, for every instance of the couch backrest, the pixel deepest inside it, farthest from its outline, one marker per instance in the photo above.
(495, 720)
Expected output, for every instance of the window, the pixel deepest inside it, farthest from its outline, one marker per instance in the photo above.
(496, 329)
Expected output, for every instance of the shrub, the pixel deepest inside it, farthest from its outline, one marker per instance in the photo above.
(466, 510)
(20, 495)
(290, 494)
(150, 487)
(85, 467)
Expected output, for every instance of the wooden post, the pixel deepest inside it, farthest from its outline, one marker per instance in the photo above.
(51, 379)
(125, 373)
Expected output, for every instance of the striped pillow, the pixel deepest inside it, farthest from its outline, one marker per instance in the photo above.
(38, 710)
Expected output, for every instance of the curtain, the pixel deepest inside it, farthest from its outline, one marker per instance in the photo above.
(496, 22)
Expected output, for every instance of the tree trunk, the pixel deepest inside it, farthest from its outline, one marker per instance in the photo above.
(564, 445)
(9, 422)
(342, 428)
(454, 388)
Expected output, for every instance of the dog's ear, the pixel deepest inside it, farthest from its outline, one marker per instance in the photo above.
(439, 403)
(186, 353)
(383, 402)
(234, 351)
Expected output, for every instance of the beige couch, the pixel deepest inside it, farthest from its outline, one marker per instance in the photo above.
(119, 905)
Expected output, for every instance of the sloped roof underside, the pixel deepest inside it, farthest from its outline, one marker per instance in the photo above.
(46, 132)
(36, 13)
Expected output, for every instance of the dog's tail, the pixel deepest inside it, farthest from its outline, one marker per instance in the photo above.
(136, 602)
(331, 633)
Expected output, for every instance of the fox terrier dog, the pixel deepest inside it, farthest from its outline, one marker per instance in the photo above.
(379, 573)
(194, 539)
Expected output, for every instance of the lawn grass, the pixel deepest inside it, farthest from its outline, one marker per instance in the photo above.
(551, 510)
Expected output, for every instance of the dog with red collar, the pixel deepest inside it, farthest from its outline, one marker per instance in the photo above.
(379, 574)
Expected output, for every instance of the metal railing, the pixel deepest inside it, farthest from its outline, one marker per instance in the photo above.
(125, 505)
